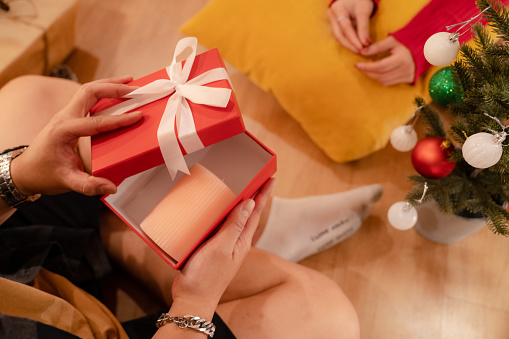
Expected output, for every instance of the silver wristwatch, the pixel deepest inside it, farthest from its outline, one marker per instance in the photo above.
(8, 191)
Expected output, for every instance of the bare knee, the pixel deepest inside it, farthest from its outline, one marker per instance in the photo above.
(324, 305)
(35, 80)
(312, 304)
(26, 83)
(21, 80)
(27, 103)
(52, 92)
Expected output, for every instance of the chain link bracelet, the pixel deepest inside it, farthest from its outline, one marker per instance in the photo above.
(188, 321)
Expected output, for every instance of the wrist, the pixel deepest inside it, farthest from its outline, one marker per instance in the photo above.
(9, 191)
(18, 176)
(195, 326)
(185, 313)
(203, 307)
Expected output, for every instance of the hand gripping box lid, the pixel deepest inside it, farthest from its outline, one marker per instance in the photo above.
(190, 116)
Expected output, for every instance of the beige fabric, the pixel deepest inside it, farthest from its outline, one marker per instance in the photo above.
(54, 301)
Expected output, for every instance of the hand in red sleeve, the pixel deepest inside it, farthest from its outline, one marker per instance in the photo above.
(352, 28)
(398, 67)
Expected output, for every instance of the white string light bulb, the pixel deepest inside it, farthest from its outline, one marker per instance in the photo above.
(404, 138)
(442, 48)
(483, 150)
(402, 215)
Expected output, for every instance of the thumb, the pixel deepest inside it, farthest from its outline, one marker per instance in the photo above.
(87, 184)
(235, 223)
(378, 47)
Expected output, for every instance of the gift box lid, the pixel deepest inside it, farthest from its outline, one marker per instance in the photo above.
(127, 151)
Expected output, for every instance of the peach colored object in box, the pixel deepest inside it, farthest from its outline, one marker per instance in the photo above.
(179, 221)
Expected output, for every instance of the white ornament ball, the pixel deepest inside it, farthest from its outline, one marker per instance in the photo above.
(403, 138)
(439, 50)
(482, 150)
(402, 216)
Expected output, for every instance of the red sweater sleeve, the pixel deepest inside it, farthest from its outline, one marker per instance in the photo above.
(432, 19)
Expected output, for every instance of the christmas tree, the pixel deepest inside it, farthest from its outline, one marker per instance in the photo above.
(478, 183)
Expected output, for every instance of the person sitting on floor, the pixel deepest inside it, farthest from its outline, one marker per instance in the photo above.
(51, 246)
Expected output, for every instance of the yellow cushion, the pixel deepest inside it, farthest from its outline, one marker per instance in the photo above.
(287, 48)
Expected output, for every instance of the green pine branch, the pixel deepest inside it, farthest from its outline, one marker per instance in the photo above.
(456, 193)
(461, 76)
(496, 98)
(497, 15)
(482, 38)
(497, 220)
(431, 118)
(500, 51)
(481, 77)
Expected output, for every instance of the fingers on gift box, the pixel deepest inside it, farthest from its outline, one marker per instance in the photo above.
(188, 162)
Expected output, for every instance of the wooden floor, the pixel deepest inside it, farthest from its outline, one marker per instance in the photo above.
(402, 285)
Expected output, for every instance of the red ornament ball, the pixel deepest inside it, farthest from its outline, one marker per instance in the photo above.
(429, 157)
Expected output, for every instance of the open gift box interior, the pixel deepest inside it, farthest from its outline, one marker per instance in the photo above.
(236, 161)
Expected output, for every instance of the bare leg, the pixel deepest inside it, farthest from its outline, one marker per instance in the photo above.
(27, 104)
(269, 298)
(289, 301)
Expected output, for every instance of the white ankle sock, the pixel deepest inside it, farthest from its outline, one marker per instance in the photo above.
(298, 228)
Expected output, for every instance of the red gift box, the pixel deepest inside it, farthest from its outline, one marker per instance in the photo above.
(131, 157)
(122, 153)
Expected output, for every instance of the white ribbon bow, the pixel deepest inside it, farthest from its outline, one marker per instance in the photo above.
(179, 88)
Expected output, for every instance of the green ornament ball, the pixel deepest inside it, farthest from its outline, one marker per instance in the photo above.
(442, 89)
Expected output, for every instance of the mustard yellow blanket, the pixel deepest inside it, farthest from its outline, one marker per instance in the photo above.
(54, 301)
